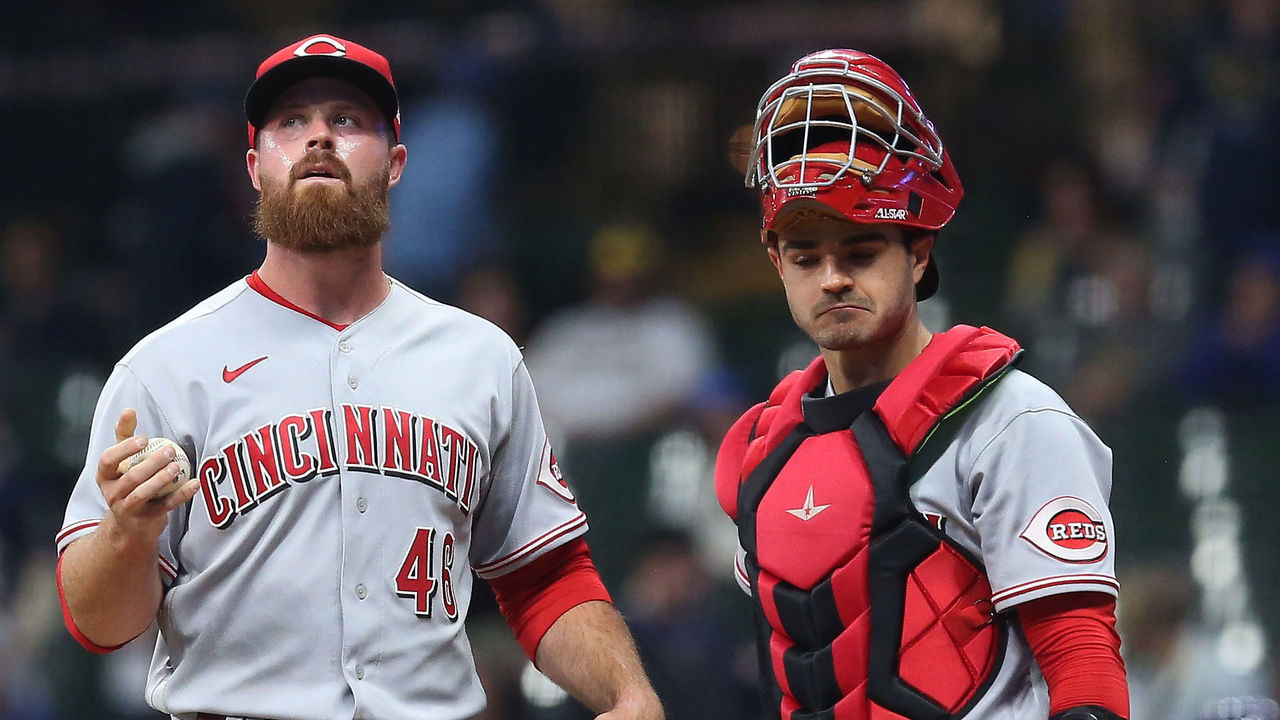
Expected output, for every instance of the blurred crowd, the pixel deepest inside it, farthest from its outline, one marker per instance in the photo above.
(569, 179)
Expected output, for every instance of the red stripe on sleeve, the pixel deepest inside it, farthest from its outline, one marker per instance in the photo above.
(533, 597)
(1073, 637)
(85, 642)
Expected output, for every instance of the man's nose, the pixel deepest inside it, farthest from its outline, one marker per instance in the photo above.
(321, 136)
(835, 277)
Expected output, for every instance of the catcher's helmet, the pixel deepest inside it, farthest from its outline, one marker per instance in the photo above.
(843, 131)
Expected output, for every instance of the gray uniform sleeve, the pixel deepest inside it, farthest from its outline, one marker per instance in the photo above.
(1040, 488)
(87, 506)
(529, 508)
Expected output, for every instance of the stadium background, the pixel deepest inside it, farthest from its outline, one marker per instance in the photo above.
(569, 178)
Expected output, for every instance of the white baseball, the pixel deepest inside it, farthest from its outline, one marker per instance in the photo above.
(179, 456)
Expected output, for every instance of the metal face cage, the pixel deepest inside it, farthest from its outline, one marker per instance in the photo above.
(796, 116)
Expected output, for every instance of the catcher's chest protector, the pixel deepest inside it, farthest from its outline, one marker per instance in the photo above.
(865, 610)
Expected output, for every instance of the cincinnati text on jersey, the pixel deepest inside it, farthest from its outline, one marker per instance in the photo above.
(301, 447)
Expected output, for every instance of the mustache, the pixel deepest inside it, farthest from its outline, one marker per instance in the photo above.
(328, 158)
(845, 299)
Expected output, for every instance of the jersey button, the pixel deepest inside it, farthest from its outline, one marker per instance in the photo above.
(362, 504)
(344, 346)
(359, 672)
(362, 592)
(351, 380)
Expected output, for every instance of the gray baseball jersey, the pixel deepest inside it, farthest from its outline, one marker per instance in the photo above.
(1024, 487)
(351, 481)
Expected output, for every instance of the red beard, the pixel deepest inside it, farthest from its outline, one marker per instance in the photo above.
(323, 217)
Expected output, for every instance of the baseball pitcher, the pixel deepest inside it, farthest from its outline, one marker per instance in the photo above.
(356, 450)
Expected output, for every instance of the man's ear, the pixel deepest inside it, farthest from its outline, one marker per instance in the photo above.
(921, 247)
(251, 164)
(395, 166)
(770, 241)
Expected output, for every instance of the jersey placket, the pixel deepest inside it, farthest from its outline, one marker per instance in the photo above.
(357, 591)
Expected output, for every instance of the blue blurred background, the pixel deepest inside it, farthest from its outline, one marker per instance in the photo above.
(569, 178)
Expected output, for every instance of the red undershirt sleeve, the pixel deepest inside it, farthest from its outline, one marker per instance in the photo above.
(533, 597)
(80, 637)
(1073, 637)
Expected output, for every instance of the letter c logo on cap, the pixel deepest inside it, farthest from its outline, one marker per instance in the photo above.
(338, 49)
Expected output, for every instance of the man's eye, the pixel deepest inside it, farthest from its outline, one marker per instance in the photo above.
(344, 120)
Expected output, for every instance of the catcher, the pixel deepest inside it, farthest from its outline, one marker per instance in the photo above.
(922, 525)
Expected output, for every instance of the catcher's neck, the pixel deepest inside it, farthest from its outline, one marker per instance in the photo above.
(858, 367)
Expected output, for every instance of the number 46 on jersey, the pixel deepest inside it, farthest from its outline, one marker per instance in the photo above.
(420, 579)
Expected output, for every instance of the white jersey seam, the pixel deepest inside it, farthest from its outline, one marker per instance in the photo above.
(1009, 423)
(151, 396)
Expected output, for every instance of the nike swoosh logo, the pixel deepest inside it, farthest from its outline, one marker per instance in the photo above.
(231, 375)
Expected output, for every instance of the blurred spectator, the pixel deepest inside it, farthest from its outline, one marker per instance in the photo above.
(629, 358)
(1237, 76)
(1233, 359)
(28, 614)
(681, 463)
(1248, 707)
(182, 216)
(1057, 246)
(499, 663)
(1174, 660)
(490, 291)
(46, 333)
(40, 312)
(694, 658)
(612, 373)
(440, 212)
(700, 668)
(1076, 282)
(1124, 347)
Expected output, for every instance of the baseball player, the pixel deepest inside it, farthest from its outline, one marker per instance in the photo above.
(358, 451)
(921, 524)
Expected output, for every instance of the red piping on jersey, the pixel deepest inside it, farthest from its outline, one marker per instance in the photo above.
(1073, 637)
(75, 528)
(255, 282)
(533, 597)
(543, 540)
(1005, 597)
(167, 568)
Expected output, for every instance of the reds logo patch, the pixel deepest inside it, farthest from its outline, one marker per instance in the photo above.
(1069, 529)
(550, 476)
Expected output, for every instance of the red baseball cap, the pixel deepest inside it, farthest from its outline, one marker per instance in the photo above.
(322, 56)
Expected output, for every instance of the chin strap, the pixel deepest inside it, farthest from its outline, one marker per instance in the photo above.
(1086, 712)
